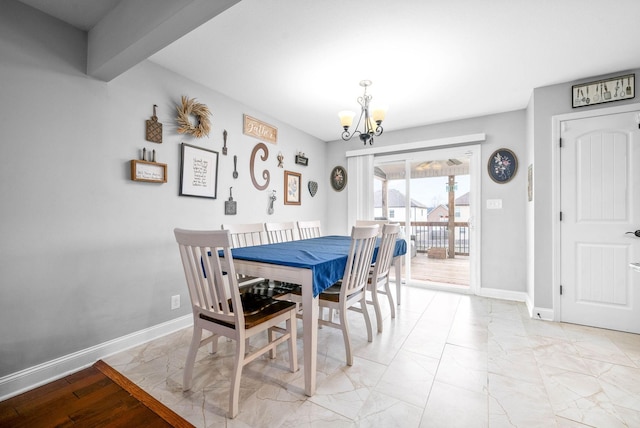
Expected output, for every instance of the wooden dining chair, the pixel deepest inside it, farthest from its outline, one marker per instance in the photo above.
(380, 223)
(220, 308)
(309, 229)
(281, 232)
(351, 290)
(246, 235)
(378, 282)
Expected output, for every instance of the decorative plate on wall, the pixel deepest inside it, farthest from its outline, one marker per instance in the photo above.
(503, 165)
(338, 178)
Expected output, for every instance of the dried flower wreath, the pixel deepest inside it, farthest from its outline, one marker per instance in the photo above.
(200, 111)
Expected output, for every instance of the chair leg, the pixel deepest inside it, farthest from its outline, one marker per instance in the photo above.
(238, 364)
(345, 335)
(271, 336)
(292, 328)
(376, 306)
(214, 346)
(387, 288)
(187, 377)
(367, 320)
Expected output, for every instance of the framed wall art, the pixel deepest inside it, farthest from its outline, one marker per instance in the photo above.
(338, 178)
(292, 181)
(604, 91)
(502, 166)
(198, 172)
(151, 172)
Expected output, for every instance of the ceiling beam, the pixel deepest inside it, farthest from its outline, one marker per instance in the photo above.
(135, 30)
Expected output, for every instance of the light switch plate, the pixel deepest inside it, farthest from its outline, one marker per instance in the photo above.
(494, 204)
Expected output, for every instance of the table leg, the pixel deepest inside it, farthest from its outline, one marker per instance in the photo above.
(310, 334)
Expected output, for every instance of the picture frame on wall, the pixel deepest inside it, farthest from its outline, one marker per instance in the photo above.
(502, 166)
(338, 178)
(292, 184)
(198, 172)
(604, 91)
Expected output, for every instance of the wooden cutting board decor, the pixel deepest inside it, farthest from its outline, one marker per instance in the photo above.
(154, 128)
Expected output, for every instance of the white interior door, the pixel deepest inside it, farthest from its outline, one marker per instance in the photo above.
(600, 203)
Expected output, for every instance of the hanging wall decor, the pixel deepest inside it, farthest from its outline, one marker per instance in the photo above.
(313, 188)
(292, 182)
(604, 91)
(198, 172)
(502, 165)
(154, 128)
(265, 173)
(338, 178)
(260, 130)
(188, 108)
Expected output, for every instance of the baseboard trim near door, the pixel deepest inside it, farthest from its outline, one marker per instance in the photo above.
(32, 377)
(496, 293)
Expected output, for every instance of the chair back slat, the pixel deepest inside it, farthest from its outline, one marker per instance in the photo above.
(309, 229)
(210, 291)
(384, 257)
(246, 235)
(363, 240)
(281, 232)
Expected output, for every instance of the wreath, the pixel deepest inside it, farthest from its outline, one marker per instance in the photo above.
(200, 111)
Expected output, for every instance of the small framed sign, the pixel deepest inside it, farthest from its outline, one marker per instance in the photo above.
(604, 91)
(259, 129)
(151, 172)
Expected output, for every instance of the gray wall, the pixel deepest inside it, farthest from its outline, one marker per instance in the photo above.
(503, 231)
(87, 255)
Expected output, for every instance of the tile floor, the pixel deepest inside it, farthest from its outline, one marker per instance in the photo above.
(446, 360)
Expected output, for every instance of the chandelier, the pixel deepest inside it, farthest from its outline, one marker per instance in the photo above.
(372, 120)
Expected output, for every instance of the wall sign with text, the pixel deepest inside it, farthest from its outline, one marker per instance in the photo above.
(260, 130)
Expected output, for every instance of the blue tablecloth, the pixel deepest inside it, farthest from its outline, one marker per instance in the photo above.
(325, 256)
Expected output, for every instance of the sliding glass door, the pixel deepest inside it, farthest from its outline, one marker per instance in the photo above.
(430, 193)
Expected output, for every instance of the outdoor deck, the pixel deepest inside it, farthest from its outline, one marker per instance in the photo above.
(447, 271)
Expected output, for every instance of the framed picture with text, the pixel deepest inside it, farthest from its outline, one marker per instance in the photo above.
(198, 172)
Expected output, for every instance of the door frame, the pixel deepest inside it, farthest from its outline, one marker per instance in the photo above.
(556, 128)
(471, 142)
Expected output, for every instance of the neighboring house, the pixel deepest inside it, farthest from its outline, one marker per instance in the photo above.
(462, 210)
(439, 213)
(396, 203)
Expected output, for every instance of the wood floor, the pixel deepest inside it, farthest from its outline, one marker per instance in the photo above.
(97, 396)
(448, 271)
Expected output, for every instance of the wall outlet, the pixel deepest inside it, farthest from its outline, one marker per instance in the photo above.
(175, 302)
(494, 204)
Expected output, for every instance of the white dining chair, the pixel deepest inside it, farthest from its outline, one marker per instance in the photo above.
(309, 229)
(220, 308)
(246, 235)
(378, 282)
(380, 223)
(281, 232)
(351, 290)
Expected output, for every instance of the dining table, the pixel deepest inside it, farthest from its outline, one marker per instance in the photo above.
(315, 264)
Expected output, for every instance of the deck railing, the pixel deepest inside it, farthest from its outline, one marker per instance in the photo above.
(429, 234)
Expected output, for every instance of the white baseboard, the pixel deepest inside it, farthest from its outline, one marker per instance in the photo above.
(495, 293)
(32, 377)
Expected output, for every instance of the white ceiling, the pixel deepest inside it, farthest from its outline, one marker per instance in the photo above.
(301, 61)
